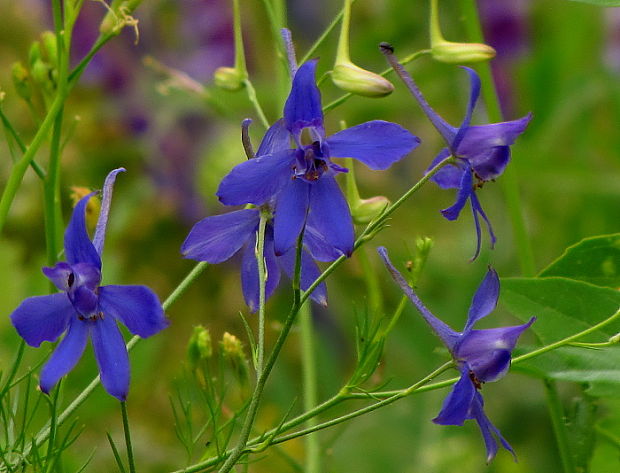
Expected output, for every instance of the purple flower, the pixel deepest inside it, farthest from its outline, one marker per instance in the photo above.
(480, 355)
(217, 238)
(301, 180)
(84, 308)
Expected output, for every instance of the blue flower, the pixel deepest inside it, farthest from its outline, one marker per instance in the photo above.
(480, 355)
(300, 180)
(85, 309)
(482, 152)
(217, 238)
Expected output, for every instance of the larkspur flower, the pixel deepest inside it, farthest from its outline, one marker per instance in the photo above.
(482, 152)
(481, 356)
(217, 238)
(85, 309)
(300, 180)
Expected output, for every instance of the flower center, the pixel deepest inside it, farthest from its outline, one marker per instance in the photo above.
(310, 163)
(477, 383)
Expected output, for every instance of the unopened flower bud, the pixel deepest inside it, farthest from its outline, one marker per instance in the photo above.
(199, 346)
(21, 80)
(92, 208)
(40, 73)
(228, 78)
(232, 346)
(351, 78)
(461, 53)
(118, 16)
(48, 40)
(365, 210)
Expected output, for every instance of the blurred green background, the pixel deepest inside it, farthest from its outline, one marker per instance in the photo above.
(558, 59)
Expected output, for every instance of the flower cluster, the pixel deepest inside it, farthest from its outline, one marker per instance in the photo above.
(481, 356)
(84, 309)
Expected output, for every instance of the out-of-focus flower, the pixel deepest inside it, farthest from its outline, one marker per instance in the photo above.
(84, 309)
(480, 355)
(301, 180)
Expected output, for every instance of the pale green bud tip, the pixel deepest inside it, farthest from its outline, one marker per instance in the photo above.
(199, 346)
(366, 210)
(20, 80)
(462, 53)
(232, 346)
(228, 78)
(356, 80)
(424, 244)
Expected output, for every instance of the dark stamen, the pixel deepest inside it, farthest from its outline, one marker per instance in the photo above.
(476, 381)
(71, 279)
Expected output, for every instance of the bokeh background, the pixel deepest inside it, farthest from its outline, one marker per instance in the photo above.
(152, 108)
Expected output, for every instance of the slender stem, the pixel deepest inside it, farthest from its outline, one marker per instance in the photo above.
(308, 358)
(262, 279)
(435, 27)
(44, 433)
(239, 50)
(374, 294)
(558, 422)
(132, 467)
(254, 100)
(9, 127)
(53, 211)
(343, 98)
(509, 180)
(397, 313)
(321, 39)
(342, 53)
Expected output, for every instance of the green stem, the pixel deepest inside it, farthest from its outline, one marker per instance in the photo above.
(52, 208)
(321, 39)
(9, 127)
(262, 279)
(313, 454)
(254, 100)
(343, 98)
(509, 180)
(558, 422)
(130, 460)
(342, 52)
(374, 294)
(238, 35)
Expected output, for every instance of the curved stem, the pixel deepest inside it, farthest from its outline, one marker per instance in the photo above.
(126, 430)
(342, 53)
(238, 37)
(254, 100)
(262, 278)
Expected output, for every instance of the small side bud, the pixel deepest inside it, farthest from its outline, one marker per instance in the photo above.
(199, 346)
(228, 78)
(21, 80)
(34, 53)
(40, 73)
(351, 78)
(232, 346)
(462, 53)
(48, 40)
(92, 208)
(367, 210)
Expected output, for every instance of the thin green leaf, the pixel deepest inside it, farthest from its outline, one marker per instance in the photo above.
(600, 3)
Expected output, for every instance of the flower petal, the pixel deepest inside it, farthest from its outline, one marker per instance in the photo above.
(290, 214)
(490, 163)
(318, 246)
(256, 180)
(465, 190)
(111, 356)
(487, 352)
(137, 307)
(309, 273)
(473, 98)
(477, 211)
(106, 200)
(66, 355)
(78, 247)
(249, 271)
(330, 216)
(42, 318)
(488, 430)
(484, 300)
(457, 404)
(277, 138)
(59, 275)
(478, 139)
(448, 177)
(215, 239)
(303, 105)
(448, 336)
(377, 143)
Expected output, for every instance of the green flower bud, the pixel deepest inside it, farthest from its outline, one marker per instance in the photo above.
(365, 210)
(351, 78)
(228, 78)
(34, 53)
(461, 53)
(119, 16)
(40, 72)
(21, 80)
(48, 39)
(232, 346)
(199, 346)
